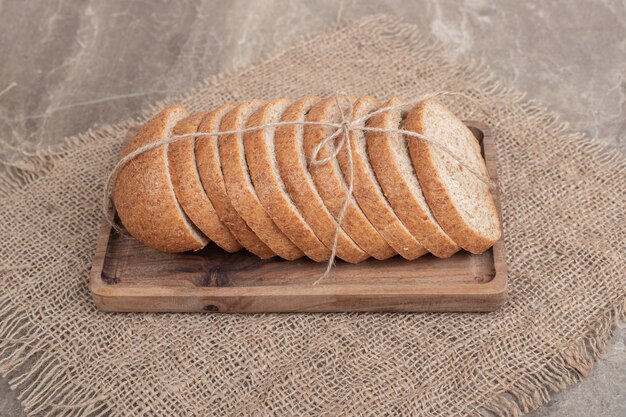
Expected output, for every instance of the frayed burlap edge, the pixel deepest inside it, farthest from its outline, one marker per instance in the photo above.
(568, 367)
(40, 379)
(37, 376)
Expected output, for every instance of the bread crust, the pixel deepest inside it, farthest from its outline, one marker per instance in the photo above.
(270, 187)
(438, 194)
(368, 192)
(331, 185)
(188, 186)
(239, 186)
(407, 206)
(143, 194)
(301, 188)
(210, 170)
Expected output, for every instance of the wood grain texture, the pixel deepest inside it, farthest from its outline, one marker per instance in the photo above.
(129, 277)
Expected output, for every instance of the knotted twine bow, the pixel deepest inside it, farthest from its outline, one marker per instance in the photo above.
(342, 131)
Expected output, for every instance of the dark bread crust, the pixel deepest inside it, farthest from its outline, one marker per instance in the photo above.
(293, 171)
(399, 193)
(330, 186)
(210, 170)
(143, 193)
(188, 186)
(437, 194)
(239, 187)
(273, 196)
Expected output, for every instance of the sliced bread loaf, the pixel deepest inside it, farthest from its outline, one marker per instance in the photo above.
(239, 186)
(144, 196)
(269, 186)
(460, 201)
(189, 189)
(331, 184)
(367, 191)
(390, 159)
(209, 168)
(294, 173)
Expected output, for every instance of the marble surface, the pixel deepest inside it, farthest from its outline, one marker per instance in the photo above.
(70, 65)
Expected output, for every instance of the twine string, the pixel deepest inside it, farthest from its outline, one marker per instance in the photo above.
(344, 131)
(340, 138)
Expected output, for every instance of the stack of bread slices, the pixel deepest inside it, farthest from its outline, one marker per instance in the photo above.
(259, 191)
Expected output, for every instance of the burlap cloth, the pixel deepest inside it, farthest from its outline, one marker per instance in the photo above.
(564, 222)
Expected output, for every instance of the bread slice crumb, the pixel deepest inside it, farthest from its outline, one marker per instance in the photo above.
(461, 202)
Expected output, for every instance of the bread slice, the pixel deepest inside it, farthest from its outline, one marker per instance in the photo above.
(461, 202)
(209, 168)
(391, 161)
(239, 185)
(143, 193)
(367, 191)
(293, 170)
(188, 186)
(331, 184)
(269, 186)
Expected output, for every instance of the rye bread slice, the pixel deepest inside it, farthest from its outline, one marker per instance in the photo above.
(144, 196)
(188, 186)
(461, 203)
(391, 161)
(293, 170)
(210, 170)
(239, 186)
(269, 186)
(368, 192)
(331, 185)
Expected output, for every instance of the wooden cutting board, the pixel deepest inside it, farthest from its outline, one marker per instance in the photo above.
(129, 277)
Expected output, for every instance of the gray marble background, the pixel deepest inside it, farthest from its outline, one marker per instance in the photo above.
(70, 65)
